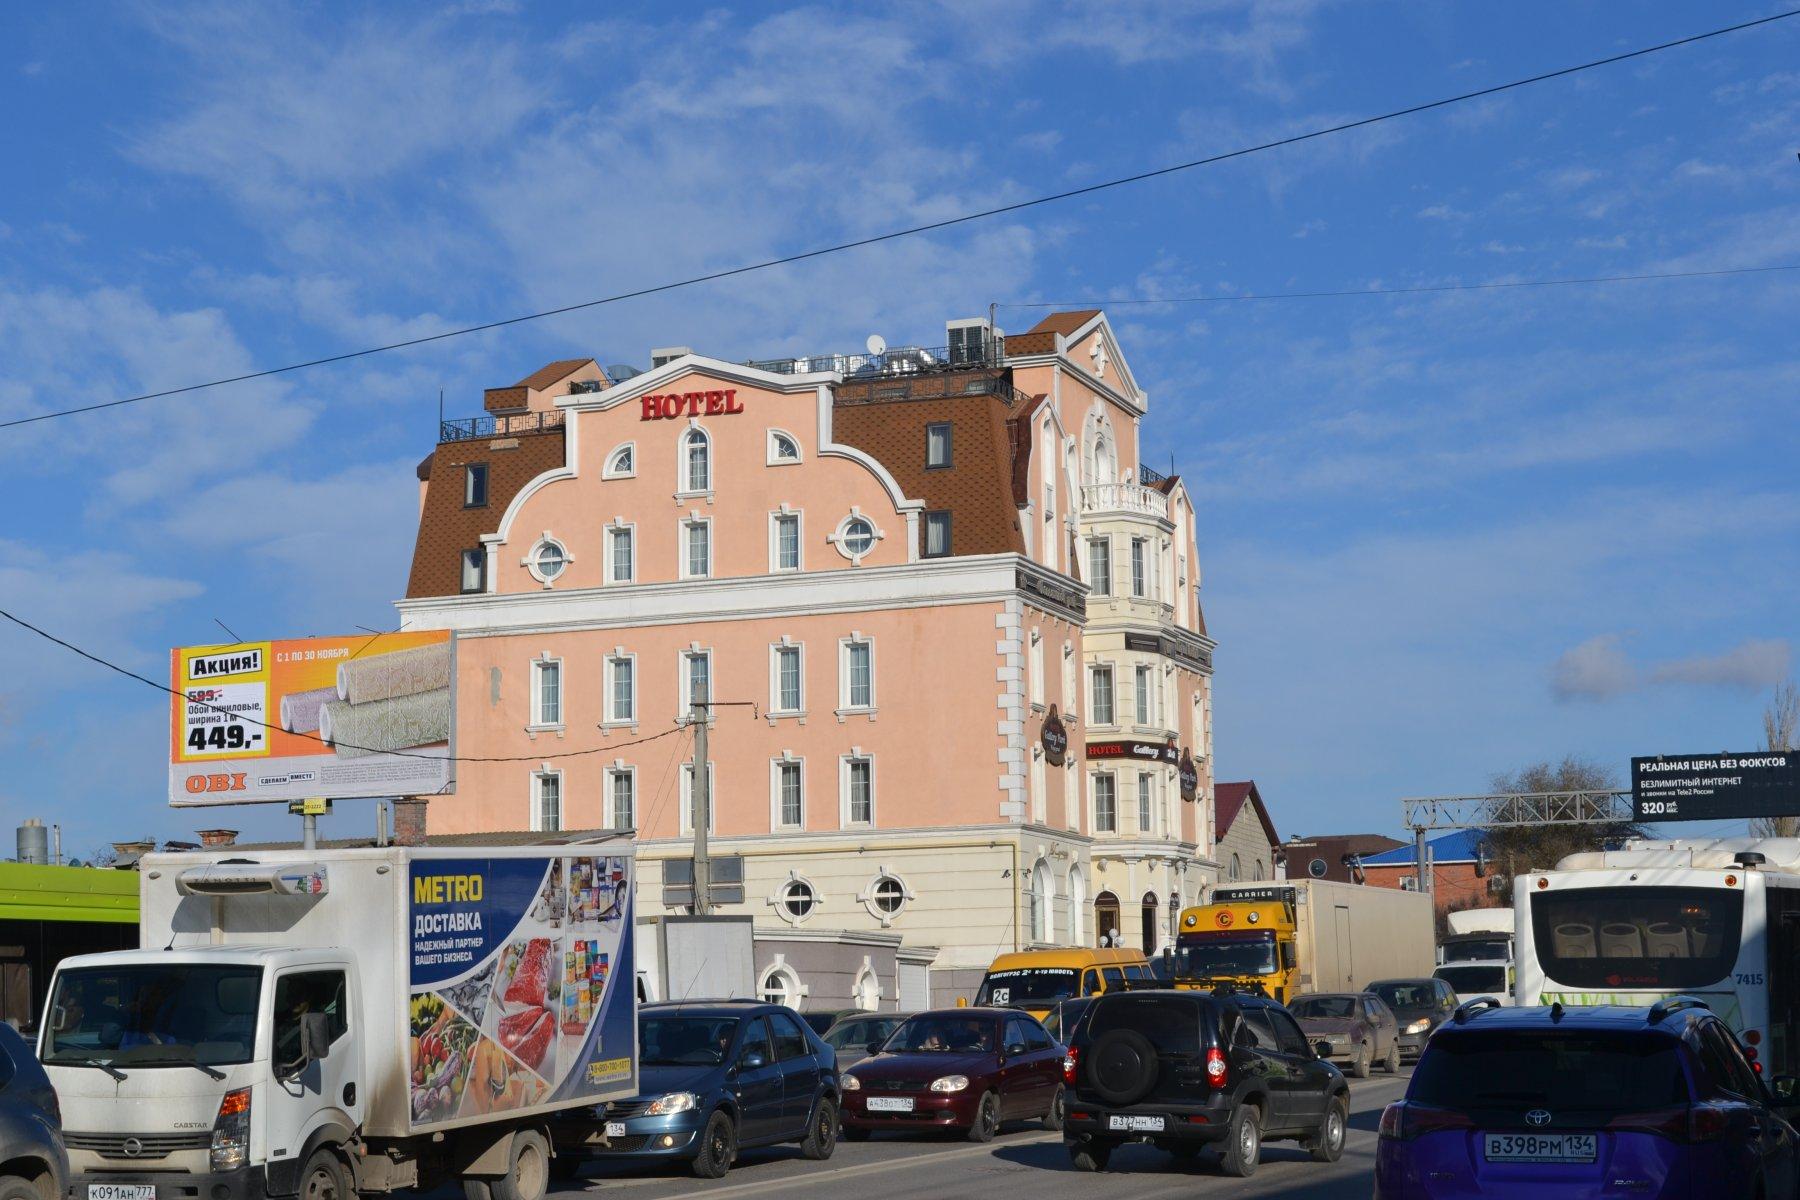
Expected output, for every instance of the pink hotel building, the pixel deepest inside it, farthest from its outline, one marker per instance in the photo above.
(951, 619)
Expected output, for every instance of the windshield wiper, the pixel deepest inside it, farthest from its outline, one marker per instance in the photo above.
(173, 1061)
(90, 1062)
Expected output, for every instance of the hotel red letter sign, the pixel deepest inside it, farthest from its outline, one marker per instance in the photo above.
(690, 404)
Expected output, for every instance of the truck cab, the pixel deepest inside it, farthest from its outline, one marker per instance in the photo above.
(208, 1072)
(1246, 943)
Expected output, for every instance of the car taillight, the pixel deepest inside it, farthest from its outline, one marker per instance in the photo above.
(1071, 1065)
(1401, 1121)
(1699, 1123)
(231, 1131)
(1216, 1072)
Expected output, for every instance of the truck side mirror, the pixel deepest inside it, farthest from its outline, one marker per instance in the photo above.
(1287, 956)
(315, 1036)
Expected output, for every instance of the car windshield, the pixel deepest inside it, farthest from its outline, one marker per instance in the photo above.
(1026, 985)
(1199, 955)
(854, 1035)
(1637, 937)
(1475, 981)
(942, 1035)
(1172, 1023)
(685, 1041)
(1573, 1071)
(1406, 993)
(154, 1015)
(1064, 1017)
(1477, 950)
(1309, 1008)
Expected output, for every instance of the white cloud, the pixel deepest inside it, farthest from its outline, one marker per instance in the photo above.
(1441, 212)
(1597, 669)
(1753, 666)
(1600, 669)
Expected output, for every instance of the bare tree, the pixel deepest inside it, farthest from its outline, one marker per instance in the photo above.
(1513, 850)
(1779, 721)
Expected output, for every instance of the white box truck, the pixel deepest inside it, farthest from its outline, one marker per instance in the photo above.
(336, 1021)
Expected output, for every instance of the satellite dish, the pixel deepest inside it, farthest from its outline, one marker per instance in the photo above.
(876, 344)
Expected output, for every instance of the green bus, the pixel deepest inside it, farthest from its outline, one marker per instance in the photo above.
(50, 913)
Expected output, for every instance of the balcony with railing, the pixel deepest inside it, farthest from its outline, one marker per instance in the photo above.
(468, 429)
(1131, 498)
(906, 373)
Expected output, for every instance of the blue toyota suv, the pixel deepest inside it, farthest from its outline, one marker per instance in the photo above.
(1655, 1103)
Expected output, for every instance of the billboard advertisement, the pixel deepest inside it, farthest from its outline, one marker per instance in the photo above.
(1716, 787)
(522, 987)
(364, 715)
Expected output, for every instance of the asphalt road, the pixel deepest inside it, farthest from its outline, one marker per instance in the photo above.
(1024, 1162)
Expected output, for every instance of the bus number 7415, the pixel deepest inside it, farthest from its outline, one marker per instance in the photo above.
(1749, 978)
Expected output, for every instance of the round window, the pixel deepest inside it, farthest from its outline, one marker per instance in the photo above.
(1316, 868)
(889, 896)
(550, 561)
(859, 536)
(798, 899)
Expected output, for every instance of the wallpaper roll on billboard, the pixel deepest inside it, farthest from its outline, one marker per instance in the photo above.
(300, 710)
(398, 723)
(400, 673)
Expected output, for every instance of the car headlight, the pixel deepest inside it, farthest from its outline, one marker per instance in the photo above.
(950, 1083)
(852, 1084)
(1420, 1025)
(674, 1102)
(1338, 1039)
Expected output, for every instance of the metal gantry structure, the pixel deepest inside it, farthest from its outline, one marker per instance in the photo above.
(1600, 806)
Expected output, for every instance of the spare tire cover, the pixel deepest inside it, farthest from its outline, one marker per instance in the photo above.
(1122, 1066)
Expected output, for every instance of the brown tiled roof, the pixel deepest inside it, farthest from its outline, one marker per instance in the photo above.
(503, 399)
(446, 528)
(1065, 323)
(1020, 344)
(1229, 800)
(424, 470)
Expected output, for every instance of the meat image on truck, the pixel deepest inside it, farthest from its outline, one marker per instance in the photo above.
(1304, 935)
(336, 1021)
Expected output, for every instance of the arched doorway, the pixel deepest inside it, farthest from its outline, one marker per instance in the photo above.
(1149, 923)
(1106, 919)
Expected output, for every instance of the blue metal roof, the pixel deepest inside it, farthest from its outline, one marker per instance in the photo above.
(1452, 847)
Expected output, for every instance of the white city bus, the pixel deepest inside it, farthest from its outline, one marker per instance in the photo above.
(1717, 919)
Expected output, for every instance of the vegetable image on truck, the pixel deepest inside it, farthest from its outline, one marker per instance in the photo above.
(344, 1021)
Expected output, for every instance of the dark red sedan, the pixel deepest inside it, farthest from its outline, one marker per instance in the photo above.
(966, 1069)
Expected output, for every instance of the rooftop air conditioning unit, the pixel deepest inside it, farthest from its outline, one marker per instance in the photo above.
(668, 354)
(974, 341)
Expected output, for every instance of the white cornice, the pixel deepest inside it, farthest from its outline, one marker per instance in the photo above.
(1059, 358)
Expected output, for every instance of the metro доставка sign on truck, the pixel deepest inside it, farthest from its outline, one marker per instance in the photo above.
(336, 717)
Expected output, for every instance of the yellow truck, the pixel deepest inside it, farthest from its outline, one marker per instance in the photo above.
(1304, 935)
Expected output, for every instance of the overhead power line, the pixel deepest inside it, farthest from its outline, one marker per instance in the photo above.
(911, 231)
(609, 748)
(1113, 302)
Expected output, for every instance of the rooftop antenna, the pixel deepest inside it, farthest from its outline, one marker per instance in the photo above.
(440, 412)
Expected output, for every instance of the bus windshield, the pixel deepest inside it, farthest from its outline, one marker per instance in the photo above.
(1637, 937)
(1202, 955)
(1026, 985)
(153, 1015)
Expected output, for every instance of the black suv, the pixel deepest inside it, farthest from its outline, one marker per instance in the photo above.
(1186, 1070)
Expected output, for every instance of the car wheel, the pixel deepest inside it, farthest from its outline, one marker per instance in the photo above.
(1054, 1118)
(14, 1188)
(854, 1133)
(1243, 1142)
(1393, 1059)
(1359, 1066)
(987, 1119)
(1089, 1156)
(718, 1146)
(323, 1178)
(1328, 1145)
(822, 1133)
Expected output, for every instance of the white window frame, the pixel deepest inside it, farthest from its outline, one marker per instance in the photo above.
(1146, 803)
(546, 659)
(790, 990)
(687, 798)
(684, 697)
(777, 899)
(776, 650)
(683, 482)
(609, 715)
(775, 460)
(786, 758)
(840, 538)
(1111, 714)
(776, 517)
(868, 896)
(844, 707)
(1034, 667)
(545, 773)
(1040, 788)
(1074, 703)
(530, 561)
(1099, 583)
(1143, 693)
(857, 755)
(620, 770)
(1094, 801)
(1140, 569)
(611, 469)
(689, 522)
(615, 527)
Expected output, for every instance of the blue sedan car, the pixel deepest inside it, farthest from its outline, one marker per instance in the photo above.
(719, 1076)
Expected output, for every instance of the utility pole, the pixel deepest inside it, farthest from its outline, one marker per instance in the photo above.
(1422, 879)
(702, 804)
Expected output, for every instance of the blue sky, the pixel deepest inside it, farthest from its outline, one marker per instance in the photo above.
(1442, 535)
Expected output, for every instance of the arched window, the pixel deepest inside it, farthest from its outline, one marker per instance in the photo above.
(696, 461)
(1237, 869)
(1149, 923)
(783, 448)
(781, 986)
(1077, 907)
(1256, 869)
(1106, 919)
(866, 994)
(621, 463)
(1042, 896)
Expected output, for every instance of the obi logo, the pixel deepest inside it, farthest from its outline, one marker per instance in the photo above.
(221, 782)
(446, 889)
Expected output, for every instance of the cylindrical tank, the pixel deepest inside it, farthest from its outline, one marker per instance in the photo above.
(34, 842)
